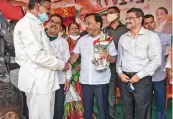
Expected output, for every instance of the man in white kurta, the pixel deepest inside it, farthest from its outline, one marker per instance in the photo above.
(38, 76)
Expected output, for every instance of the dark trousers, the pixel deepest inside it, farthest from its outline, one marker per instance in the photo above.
(140, 99)
(59, 103)
(159, 89)
(101, 94)
(25, 107)
(112, 92)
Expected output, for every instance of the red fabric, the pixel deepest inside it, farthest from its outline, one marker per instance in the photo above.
(11, 12)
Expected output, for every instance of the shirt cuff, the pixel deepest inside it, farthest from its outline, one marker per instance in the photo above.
(119, 71)
(141, 74)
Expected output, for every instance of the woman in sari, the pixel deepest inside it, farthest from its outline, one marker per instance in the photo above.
(74, 109)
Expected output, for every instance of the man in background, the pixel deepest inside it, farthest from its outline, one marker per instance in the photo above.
(105, 21)
(82, 13)
(158, 79)
(11, 102)
(115, 29)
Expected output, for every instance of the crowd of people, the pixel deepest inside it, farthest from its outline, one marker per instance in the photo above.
(55, 74)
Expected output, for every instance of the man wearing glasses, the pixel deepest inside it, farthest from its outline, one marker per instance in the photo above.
(139, 55)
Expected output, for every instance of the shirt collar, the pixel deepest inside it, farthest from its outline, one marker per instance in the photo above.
(141, 32)
(98, 36)
(163, 23)
(33, 18)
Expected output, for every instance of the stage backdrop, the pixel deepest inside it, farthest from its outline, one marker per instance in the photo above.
(148, 6)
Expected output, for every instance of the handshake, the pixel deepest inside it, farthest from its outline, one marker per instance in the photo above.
(67, 66)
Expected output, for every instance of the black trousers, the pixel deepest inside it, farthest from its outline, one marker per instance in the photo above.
(140, 99)
(59, 103)
(25, 107)
(101, 94)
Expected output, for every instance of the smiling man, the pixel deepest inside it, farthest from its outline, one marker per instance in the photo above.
(139, 55)
(61, 49)
(93, 83)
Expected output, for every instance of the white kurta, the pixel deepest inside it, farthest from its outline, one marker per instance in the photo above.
(38, 76)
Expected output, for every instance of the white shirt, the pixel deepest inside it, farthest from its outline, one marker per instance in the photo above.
(141, 54)
(61, 48)
(36, 58)
(165, 40)
(88, 74)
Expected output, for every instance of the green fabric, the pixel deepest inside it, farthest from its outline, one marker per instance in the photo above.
(52, 38)
(75, 74)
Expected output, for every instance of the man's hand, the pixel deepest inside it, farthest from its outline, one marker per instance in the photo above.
(169, 73)
(134, 79)
(124, 78)
(66, 86)
(66, 67)
(104, 54)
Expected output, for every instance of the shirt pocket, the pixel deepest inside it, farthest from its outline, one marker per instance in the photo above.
(141, 51)
(85, 49)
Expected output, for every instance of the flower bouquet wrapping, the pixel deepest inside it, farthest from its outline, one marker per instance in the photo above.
(73, 106)
(99, 45)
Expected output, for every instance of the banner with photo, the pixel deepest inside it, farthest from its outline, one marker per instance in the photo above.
(100, 6)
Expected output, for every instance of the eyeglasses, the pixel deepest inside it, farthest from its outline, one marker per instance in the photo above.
(130, 18)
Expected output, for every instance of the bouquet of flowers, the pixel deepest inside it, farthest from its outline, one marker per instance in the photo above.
(99, 45)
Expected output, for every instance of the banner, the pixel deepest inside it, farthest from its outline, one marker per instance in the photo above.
(68, 14)
(100, 6)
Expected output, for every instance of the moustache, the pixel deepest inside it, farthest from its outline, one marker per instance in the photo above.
(128, 23)
(53, 26)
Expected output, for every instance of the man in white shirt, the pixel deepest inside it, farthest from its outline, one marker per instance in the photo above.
(93, 83)
(158, 79)
(61, 48)
(139, 55)
(38, 76)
